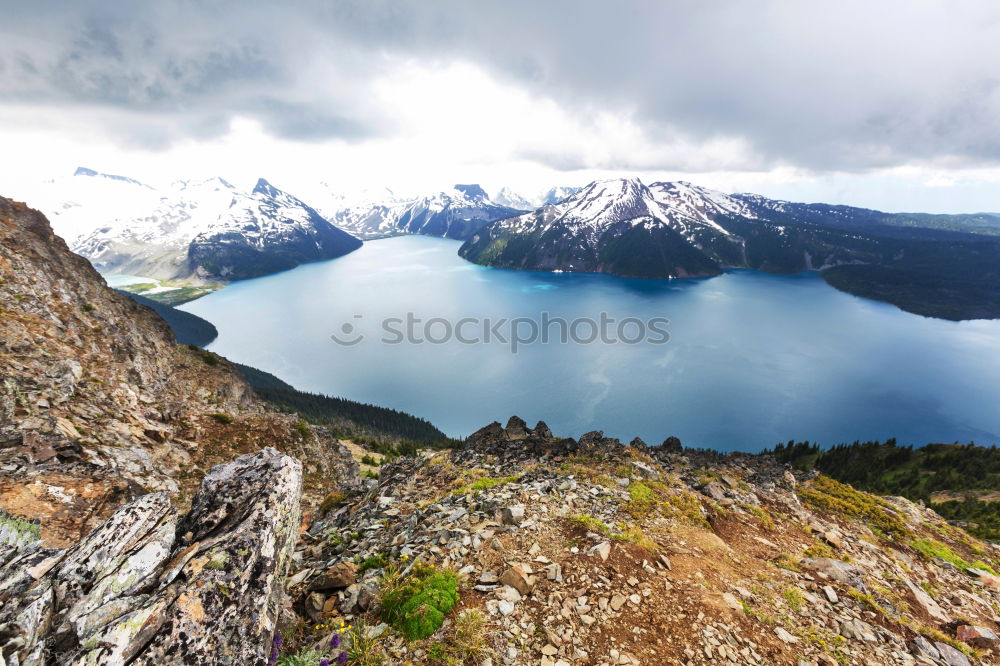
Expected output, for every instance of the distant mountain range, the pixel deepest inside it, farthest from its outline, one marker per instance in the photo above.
(944, 266)
(456, 213)
(207, 230)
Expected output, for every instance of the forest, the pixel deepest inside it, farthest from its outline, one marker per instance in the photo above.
(887, 468)
(387, 431)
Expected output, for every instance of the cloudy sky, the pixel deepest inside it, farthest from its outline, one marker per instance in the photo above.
(886, 104)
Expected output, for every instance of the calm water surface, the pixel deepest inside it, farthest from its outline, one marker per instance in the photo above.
(753, 358)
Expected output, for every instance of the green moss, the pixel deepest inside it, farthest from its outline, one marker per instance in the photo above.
(485, 483)
(376, 561)
(225, 419)
(642, 500)
(591, 524)
(417, 606)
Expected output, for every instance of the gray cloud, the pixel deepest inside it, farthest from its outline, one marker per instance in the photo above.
(826, 85)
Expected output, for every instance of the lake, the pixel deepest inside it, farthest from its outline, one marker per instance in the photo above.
(752, 358)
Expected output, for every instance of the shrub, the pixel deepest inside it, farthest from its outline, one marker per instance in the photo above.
(591, 524)
(303, 431)
(369, 459)
(333, 500)
(364, 649)
(829, 495)
(930, 548)
(794, 598)
(642, 500)
(376, 561)
(761, 514)
(225, 419)
(417, 605)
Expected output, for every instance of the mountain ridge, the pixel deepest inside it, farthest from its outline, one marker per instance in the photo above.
(945, 268)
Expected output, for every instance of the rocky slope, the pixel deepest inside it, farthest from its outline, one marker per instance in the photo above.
(98, 403)
(591, 552)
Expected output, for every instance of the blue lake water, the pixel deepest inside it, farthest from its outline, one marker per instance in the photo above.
(753, 359)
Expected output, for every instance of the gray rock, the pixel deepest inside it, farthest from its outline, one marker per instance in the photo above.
(921, 647)
(142, 587)
(514, 514)
(842, 572)
(951, 656)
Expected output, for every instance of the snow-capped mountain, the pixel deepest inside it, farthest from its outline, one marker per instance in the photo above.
(668, 229)
(264, 232)
(557, 195)
(616, 226)
(456, 213)
(178, 232)
(508, 197)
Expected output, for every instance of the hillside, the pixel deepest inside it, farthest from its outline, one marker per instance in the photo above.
(188, 329)
(347, 419)
(959, 481)
(98, 402)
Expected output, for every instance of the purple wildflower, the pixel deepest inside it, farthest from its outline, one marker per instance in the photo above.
(324, 662)
(276, 644)
(342, 658)
(335, 641)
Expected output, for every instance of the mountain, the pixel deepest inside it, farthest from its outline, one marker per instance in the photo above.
(264, 232)
(456, 213)
(939, 266)
(511, 199)
(200, 230)
(615, 226)
(558, 194)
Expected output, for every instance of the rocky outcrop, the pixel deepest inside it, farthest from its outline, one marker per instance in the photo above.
(585, 551)
(148, 588)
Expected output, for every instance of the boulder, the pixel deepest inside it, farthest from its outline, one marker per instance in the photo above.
(671, 445)
(143, 587)
(518, 577)
(951, 656)
(542, 431)
(842, 572)
(979, 637)
(926, 603)
(340, 575)
(516, 429)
